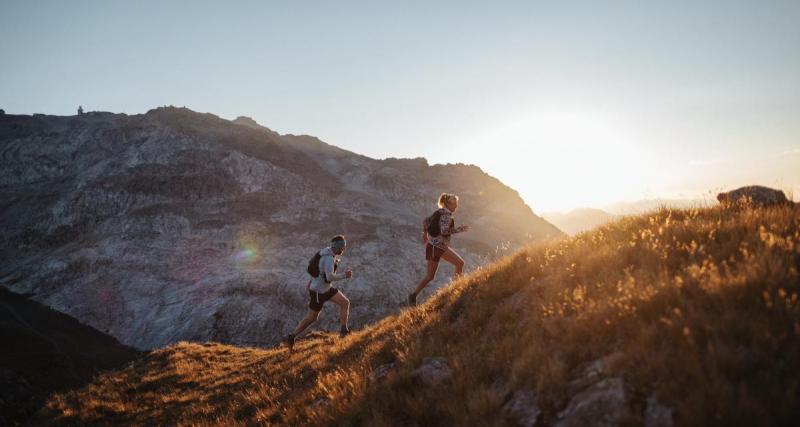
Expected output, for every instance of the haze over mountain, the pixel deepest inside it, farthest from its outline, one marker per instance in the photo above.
(583, 219)
(578, 220)
(175, 225)
(587, 218)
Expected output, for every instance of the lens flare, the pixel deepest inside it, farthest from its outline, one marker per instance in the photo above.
(244, 255)
(248, 255)
(248, 246)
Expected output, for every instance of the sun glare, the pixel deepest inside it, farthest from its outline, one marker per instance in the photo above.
(560, 161)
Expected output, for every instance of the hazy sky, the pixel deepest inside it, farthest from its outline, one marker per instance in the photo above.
(571, 103)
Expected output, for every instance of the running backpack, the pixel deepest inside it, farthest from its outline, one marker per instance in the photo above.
(313, 266)
(433, 224)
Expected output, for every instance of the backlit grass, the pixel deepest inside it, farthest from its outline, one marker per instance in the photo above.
(698, 308)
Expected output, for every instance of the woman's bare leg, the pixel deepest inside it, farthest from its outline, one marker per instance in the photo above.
(453, 258)
(429, 275)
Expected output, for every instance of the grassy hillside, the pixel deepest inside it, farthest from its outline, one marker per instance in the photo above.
(50, 351)
(694, 309)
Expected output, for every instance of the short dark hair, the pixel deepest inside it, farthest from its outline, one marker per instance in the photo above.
(339, 238)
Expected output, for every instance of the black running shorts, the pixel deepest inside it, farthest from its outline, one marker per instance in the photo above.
(316, 299)
(433, 253)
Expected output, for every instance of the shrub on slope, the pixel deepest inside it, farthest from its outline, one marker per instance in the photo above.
(695, 308)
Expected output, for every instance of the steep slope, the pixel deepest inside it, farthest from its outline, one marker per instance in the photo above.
(674, 317)
(46, 351)
(175, 225)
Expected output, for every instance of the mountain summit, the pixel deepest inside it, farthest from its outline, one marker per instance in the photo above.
(175, 225)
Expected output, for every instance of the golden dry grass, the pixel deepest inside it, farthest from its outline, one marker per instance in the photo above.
(698, 307)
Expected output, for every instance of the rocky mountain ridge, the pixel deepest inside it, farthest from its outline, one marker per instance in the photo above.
(176, 225)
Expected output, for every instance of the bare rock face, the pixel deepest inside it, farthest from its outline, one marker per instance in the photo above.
(602, 404)
(755, 195)
(175, 225)
(432, 370)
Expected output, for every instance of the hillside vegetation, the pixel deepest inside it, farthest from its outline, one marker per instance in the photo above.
(693, 312)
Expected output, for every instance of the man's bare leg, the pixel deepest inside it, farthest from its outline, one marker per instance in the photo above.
(310, 318)
(344, 310)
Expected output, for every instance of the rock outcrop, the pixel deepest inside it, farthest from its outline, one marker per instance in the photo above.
(175, 225)
(433, 370)
(523, 409)
(602, 404)
(754, 195)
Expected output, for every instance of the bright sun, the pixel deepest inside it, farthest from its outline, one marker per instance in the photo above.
(565, 160)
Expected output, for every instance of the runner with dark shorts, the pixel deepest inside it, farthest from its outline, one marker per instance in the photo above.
(437, 246)
(320, 290)
(316, 300)
(433, 253)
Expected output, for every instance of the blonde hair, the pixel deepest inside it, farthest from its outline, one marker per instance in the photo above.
(444, 197)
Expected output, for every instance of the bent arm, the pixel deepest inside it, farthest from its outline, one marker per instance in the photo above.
(329, 274)
(444, 225)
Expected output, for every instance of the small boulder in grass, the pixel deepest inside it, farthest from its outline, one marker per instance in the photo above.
(432, 370)
(753, 195)
(594, 371)
(656, 414)
(602, 404)
(382, 372)
(523, 408)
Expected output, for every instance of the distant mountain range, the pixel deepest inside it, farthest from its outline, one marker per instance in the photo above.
(583, 219)
(578, 220)
(175, 225)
